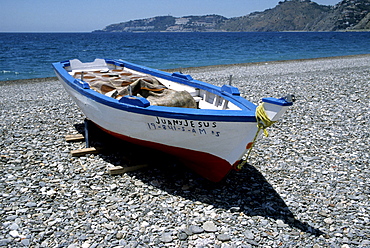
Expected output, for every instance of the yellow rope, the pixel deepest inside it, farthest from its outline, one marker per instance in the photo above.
(263, 122)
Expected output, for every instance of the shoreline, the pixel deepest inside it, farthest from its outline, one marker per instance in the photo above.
(273, 62)
(211, 67)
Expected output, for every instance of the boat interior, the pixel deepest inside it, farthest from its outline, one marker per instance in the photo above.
(109, 79)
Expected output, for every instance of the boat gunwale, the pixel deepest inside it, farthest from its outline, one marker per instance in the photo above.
(246, 114)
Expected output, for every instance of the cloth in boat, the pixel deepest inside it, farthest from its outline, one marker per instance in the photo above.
(147, 87)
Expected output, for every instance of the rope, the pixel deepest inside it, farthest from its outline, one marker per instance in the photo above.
(263, 122)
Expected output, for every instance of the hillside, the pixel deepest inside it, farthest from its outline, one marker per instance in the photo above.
(206, 23)
(288, 15)
(346, 15)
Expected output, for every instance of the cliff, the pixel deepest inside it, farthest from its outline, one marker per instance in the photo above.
(346, 15)
(286, 16)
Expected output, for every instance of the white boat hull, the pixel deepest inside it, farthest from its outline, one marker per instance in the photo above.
(209, 145)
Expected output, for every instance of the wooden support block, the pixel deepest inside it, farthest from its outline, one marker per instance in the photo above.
(74, 137)
(116, 170)
(84, 151)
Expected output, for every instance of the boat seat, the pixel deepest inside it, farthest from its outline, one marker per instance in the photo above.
(197, 98)
(97, 64)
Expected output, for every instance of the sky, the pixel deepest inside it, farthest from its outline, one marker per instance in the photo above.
(89, 15)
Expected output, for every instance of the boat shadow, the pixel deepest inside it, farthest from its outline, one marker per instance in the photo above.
(246, 191)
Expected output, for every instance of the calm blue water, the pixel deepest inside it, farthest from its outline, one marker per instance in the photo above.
(29, 55)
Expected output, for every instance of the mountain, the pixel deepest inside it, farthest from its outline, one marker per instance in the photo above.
(208, 23)
(288, 15)
(346, 15)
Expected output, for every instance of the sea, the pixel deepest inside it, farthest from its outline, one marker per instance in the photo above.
(30, 55)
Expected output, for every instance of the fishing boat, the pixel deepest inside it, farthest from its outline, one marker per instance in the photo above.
(209, 128)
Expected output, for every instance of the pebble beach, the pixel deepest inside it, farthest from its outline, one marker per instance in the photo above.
(306, 185)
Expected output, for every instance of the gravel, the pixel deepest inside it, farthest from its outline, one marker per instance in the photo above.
(306, 185)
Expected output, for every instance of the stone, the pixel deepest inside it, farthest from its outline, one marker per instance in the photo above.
(14, 233)
(166, 237)
(329, 221)
(209, 226)
(196, 229)
(188, 231)
(73, 246)
(264, 222)
(248, 234)
(234, 209)
(11, 217)
(25, 242)
(281, 223)
(182, 236)
(223, 237)
(31, 204)
(4, 242)
(119, 235)
(13, 226)
(86, 245)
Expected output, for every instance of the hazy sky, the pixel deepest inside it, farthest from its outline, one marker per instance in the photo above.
(88, 15)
